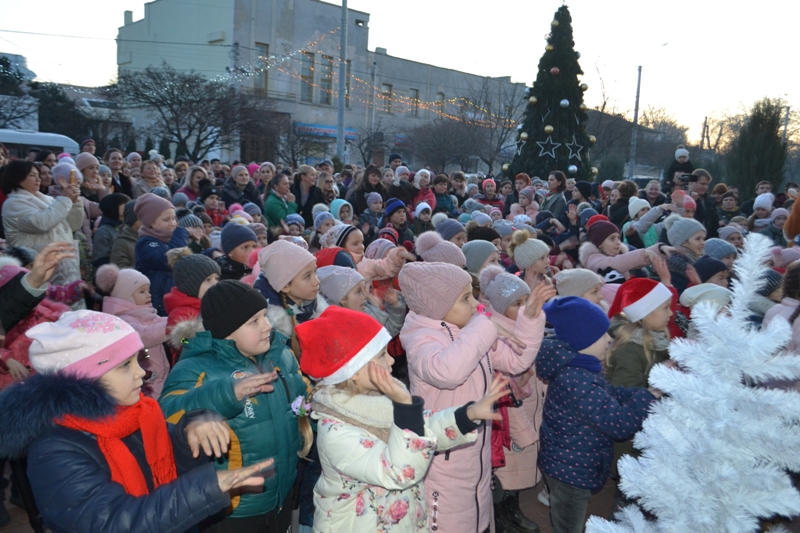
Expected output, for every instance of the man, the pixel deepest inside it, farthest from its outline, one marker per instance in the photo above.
(761, 187)
(395, 161)
(326, 166)
(706, 212)
(87, 145)
(216, 168)
(205, 164)
(33, 152)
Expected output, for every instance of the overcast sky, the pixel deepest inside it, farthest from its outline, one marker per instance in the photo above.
(699, 57)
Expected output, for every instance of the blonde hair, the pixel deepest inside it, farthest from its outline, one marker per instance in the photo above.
(519, 237)
(624, 334)
(303, 422)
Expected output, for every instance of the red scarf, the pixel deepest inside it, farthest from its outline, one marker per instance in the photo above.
(145, 415)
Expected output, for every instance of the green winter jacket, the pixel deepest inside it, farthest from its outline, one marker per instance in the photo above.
(277, 209)
(262, 426)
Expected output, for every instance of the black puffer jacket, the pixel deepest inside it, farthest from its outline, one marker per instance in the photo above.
(70, 477)
(16, 302)
(232, 194)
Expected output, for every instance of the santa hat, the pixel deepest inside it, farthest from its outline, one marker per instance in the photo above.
(333, 354)
(639, 297)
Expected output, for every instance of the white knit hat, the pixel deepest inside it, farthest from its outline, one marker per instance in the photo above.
(336, 282)
(635, 205)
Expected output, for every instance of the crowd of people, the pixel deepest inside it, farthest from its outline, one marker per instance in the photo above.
(216, 347)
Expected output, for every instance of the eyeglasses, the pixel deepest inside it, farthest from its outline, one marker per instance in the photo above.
(328, 182)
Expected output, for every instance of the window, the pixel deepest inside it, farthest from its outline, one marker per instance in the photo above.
(386, 97)
(260, 79)
(347, 89)
(440, 103)
(414, 102)
(307, 78)
(326, 80)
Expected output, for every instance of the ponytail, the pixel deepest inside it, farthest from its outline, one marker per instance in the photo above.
(295, 342)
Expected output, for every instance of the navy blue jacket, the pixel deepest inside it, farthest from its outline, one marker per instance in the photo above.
(583, 416)
(70, 477)
(151, 260)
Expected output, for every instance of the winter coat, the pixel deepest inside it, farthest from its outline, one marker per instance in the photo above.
(103, 241)
(371, 218)
(618, 212)
(190, 194)
(277, 209)
(152, 329)
(180, 307)
(583, 416)
(38, 220)
(17, 299)
(391, 317)
(669, 175)
(91, 212)
(727, 215)
(262, 426)
(305, 209)
(444, 204)
(648, 227)
(628, 365)
(593, 259)
(775, 234)
(450, 366)
(555, 203)
(403, 191)
(418, 227)
(70, 476)
(423, 195)
(373, 464)
(706, 214)
(510, 200)
(660, 199)
(143, 187)
(230, 269)
(359, 196)
(123, 251)
(232, 194)
(151, 260)
(496, 201)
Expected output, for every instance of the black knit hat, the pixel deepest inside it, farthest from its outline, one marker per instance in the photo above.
(208, 191)
(772, 281)
(191, 271)
(483, 233)
(226, 306)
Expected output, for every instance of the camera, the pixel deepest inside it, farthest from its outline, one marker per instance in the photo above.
(684, 178)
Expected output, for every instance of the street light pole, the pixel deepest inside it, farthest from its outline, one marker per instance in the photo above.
(635, 131)
(342, 84)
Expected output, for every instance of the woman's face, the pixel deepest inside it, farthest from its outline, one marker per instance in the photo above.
(552, 182)
(327, 183)
(90, 172)
(46, 176)
(373, 179)
(115, 162)
(31, 183)
(423, 181)
(242, 178)
(614, 196)
(267, 173)
(135, 161)
(124, 382)
(505, 190)
(309, 178)
(51, 160)
(150, 171)
(652, 190)
(196, 177)
(168, 176)
(519, 185)
(489, 189)
(282, 187)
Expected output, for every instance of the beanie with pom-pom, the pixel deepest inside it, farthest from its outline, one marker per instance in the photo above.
(525, 250)
(431, 289)
(501, 288)
(680, 229)
(120, 283)
(438, 217)
(432, 248)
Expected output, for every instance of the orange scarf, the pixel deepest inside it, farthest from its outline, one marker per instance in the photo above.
(145, 415)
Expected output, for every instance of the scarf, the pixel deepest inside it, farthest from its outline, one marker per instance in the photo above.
(160, 234)
(659, 340)
(144, 415)
(587, 362)
(371, 412)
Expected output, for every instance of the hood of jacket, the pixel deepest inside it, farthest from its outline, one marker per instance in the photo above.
(175, 299)
(33, 405)
(185, 331)
(120, 307)
(553, 356)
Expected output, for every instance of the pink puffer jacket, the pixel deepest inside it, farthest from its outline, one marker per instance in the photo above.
(449, 366)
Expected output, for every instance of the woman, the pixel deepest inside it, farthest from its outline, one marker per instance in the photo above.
(35, 220)
(280, 202)
(521, 181)
(652, 193)
(267, 173)
(370, 183)
(490, 196)
(135, 160)
(47, 157)
(555, 201)
(151, 178)
(618, 211)
(45, 176)
(325, 183)
(240, 189)
(422, 191)
(121, 182)
(92, 187)
(181, 167)
(306, 194)
(190, 185)
(168, 177)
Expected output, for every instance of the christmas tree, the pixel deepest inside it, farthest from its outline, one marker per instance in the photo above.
(717, 447)
(553, 134)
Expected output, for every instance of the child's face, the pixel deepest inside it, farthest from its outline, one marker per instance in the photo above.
(728, 260)
(355, 245)
(496, 215)
(356, 299)
(425, 216)
(252, 337)
(735, 239)
(593, 295)
(657, 320)
(611, 245)
(398, 218)
(211, 202)
(105, 177)
(493, 259)
(208, 228)
(463, 309)
(505, 190)
(209, 282)
(696, 243)
(688, 212)
(729, 202)
(523, 201)
(256, 218)
(504, 242)
(761, 212)
(641, 212)
(325, 226)
(683, 159)
(376, 207)
(141, 296)
(166, 221)
(124, 381)
(262, 240)
(242, 252)
(361, 378)
(720, 278)
(498, 243)
(304, 287)
(295, 230)
(458, 239)
(541, 265)
(779, 222)
(513, 310)
(345, 213)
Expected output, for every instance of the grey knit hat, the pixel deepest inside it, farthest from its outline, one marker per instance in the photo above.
(180, 199)
(191, 271)
(682, 229)
(128, 214)
(501, 288)
(320, 219)
(530, 251)
(335, 282)
(477, 252)
(503, 227)
(717, 248)
(576, 281)
(190, 221)
(449, 228)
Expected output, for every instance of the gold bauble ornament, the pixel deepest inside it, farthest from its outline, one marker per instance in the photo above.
(582, 107)
(592, 139)
(523, 136)
(549, 48)
(548, 130)
(584, 87)
(533, 100)
(594, 171)
(505, 167)
(554, 23)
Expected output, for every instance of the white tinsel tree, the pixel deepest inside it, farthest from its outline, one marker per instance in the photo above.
(717, 447)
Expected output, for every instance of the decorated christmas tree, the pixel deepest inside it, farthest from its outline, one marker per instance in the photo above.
(717, 448)
(553, 135)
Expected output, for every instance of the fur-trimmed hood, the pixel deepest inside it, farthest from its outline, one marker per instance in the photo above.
(185, 330)
(32, 406)
(588, 249)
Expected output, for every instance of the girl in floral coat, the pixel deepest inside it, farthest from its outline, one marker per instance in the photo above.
(375, 442)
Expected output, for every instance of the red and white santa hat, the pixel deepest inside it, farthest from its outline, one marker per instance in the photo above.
(339, 343)
(639, 297)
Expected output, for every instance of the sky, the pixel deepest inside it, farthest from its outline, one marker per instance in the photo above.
(699, 57)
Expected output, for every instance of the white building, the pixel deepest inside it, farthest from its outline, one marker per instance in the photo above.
(298, 41)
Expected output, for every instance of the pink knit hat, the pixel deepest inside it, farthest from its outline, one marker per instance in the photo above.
(84, 160)
(432, 248)
(281, 261)
(431, 289)
(84, 343)
(149, 207)
(120, 283)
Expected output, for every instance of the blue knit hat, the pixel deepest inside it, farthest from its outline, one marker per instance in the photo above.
(320, 219)
(251, 209)
(707, 267)
(577, 321)
(393, 205)
(296, 219)
(449, 228)
(235, 234)
(717, 248)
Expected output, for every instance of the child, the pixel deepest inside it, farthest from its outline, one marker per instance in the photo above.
(583, 283)
(323, 221)
(495, 214)
(158, 234)
(643, 229)
(100, 455)
(397, 217)
(452, 230)
(236, 365)
(261, 234)
(720, 250)
(374, 213)
(351, 239)
(506, 294)
(345, 287)
(505, 229)
(711, 270)
(194, 274)
(342, 210)
(728, 208)
(705, 292)
(603, 251)
(479, 255)
(732, 234)
(296, 225)
(254, 211)
(198, 241)
(583, 413)
(113, 207)
(433, 249)
(128, 297)
(209, 197)
(526, 206)
(681, 165)
(775, 228)
(237, 242)
(123, 250)
(375, 442)
(482, 219)
(687, 236)
(451, 359)
(422, 219)
(531, 257)
(762, 209)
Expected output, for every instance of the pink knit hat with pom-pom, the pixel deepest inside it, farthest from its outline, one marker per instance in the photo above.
(433, 249)
(431, 289)
(501, 288)
(120, 283)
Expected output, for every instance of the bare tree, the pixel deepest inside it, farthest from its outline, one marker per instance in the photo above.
(16, 112)
(442, 142)
(192, 111)
(374, 138)
(295, 145)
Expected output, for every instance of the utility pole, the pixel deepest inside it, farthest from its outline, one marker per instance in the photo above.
(372, 115)
(785, 124)
(635, 131)
(342, 83)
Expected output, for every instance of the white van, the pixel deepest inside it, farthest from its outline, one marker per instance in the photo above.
(19, 141)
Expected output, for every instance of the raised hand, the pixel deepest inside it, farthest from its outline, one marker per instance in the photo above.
(210, 433)
(252, 385)
(387, 385)
(243, 477)
(17, 370)
(44, 266)
(483, 408)
(390, 297)
(539, 296)
(661, 269)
